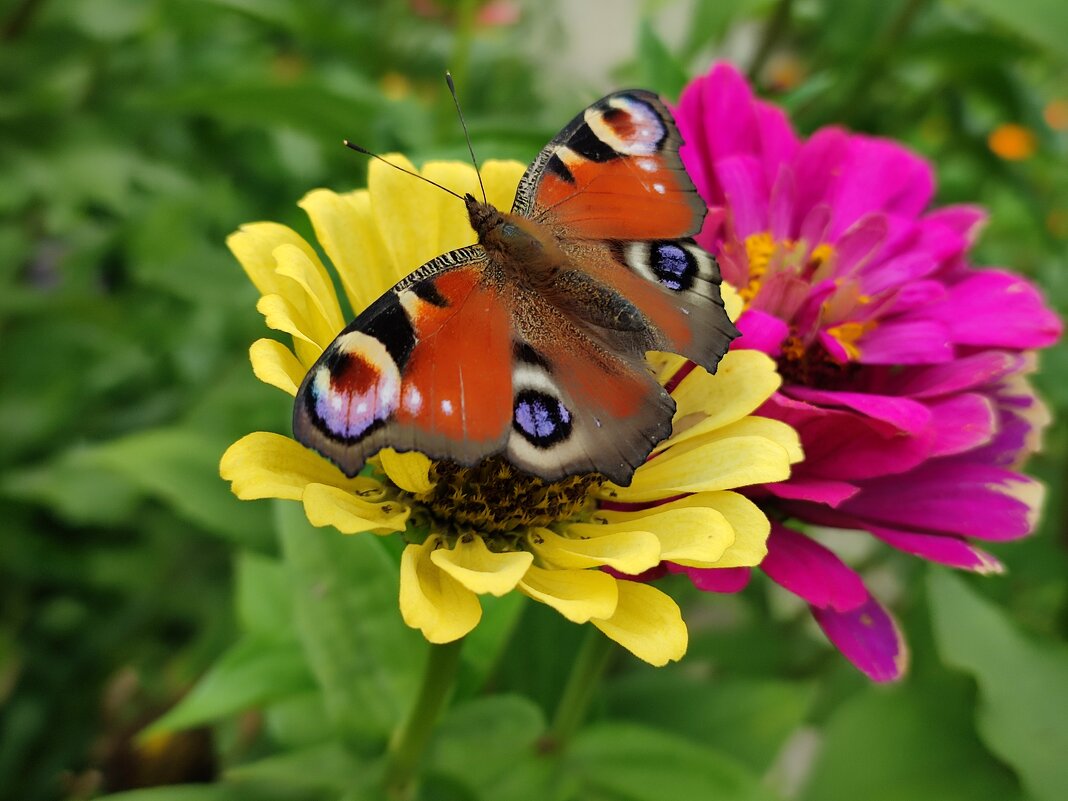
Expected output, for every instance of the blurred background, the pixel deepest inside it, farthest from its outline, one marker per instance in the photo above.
(136, 134)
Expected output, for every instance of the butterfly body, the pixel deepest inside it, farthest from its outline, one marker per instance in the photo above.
(531, 343)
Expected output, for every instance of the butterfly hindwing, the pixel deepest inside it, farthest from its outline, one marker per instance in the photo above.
(676, 286)
(614, 172)
(579, 405)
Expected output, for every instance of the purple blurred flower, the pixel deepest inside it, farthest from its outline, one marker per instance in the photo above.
(904, 367)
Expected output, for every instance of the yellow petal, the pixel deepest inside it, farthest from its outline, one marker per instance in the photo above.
(723, 464)
(626, 551)
(501, 179)
(264, 465)
(687, 535)
(273, 363)
(647, 623)
(345, 227)
(454, 228)
(750, 525)
(409, 471)
(433, 601)
(311, 276)
(665, 365)
(732, 301)
(405, 211)
(743, 381)
(481, 570)
(254, 246)
(325, 505)
(777, 431)
(578, 595)
(282, 315)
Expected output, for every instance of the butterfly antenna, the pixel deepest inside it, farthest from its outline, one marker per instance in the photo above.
(467, 136)
(366, 152)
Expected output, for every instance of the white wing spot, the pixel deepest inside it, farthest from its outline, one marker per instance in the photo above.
(413, 399)
(659, 188)
(446, 406)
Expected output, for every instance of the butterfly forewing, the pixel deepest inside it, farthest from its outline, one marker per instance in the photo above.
(614, 173)
(406, 374)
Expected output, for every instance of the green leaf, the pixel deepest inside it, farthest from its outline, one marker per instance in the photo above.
(478, 741)
(327, 768)
(1023, 684)
(299, 721)
(181, 468)
(484, 646)
(366, 660)
(1042, 21)
(660, 70)
(627, 761)
(178, 793)
(746, 719)
(264, 596)
(253, 672)
(75, 488)
(911, 741)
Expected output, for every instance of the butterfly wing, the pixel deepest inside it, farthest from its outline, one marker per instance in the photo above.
(458, 364)
(612, 188)
(614, 172)
(425, 367)
(579, 405)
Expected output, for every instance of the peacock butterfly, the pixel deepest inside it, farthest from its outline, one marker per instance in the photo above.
(531, 344)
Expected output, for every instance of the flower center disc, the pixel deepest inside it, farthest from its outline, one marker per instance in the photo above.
(494, 496)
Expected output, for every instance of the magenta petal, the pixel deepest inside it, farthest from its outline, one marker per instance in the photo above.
(835, 349)
(711, 579)
(778, 142)
(961, 219)
(902, 414)
(817, 490)
(745, 192)
(992, 308)
(844, 446)
(881, 176)
(906, 342)
(968, 372)
(818, 161)
(868, 637)
(810, 571)
(897, 272)
(781, 205)
(858, 245)
(940, 548)
(961, 423)
(914, 295)
(953, 495)
(761, 331)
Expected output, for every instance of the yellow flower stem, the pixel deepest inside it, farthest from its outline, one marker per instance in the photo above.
(590, 664)
(409, 742)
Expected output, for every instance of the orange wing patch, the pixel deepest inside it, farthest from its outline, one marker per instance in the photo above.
(457, 383)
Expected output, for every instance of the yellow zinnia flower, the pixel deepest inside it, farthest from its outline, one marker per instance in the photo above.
(491, 529)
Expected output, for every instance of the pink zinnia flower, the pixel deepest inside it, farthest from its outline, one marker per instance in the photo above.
(904, 367)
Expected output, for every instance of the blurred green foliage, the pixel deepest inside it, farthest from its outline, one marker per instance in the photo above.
(136, 134)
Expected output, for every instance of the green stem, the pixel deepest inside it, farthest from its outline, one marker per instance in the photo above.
(590, 665)
(410, 740)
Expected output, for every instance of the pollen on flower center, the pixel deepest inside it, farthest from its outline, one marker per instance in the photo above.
(762, 250)
(812, 366)
(493, 496)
